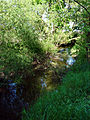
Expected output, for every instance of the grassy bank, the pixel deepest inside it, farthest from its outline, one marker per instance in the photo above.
(69, 102)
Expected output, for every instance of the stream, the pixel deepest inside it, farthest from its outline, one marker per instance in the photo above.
(14, 99)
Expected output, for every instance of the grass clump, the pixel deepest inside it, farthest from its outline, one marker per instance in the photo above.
(69, 102)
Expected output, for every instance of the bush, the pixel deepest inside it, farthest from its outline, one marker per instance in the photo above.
(25, 36)
(19, 42)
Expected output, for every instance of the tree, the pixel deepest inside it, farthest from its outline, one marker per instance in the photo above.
(87, 21)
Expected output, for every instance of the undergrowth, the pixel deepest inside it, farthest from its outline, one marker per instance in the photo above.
(69, 102)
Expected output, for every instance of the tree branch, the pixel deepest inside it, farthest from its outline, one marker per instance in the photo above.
(82, 6)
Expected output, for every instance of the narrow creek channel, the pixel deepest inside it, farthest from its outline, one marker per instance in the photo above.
(13, 100)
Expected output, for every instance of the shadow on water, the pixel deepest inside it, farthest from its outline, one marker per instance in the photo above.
(47, 76)
(11, 105)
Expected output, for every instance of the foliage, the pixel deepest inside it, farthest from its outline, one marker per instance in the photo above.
(69, 101)
(25, 34)
(30, 29)
(19, 42)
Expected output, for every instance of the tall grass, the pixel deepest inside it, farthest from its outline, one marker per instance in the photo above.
(69, 102)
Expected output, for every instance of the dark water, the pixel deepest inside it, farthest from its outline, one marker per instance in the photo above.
(48, 76)
(14, 98)
(11, 105)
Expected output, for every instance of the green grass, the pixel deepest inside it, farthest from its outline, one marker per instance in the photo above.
(69, 102)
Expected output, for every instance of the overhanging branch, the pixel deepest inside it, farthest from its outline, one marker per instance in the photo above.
(82, 6)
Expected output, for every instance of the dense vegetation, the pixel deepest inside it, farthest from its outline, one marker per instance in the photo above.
(69, 102)
(30, 31)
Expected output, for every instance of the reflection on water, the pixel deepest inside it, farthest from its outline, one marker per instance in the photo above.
(43, 83)
(70, 61)
(44, 77)
(58, 64)
(12, 90)
(47, 78)
(11, 105)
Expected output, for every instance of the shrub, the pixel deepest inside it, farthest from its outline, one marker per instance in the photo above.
(19, 42)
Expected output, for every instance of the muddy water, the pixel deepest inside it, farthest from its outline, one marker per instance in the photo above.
(48, 76)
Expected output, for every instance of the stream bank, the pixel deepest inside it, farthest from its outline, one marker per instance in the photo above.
(46, 77)
(68, 101)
